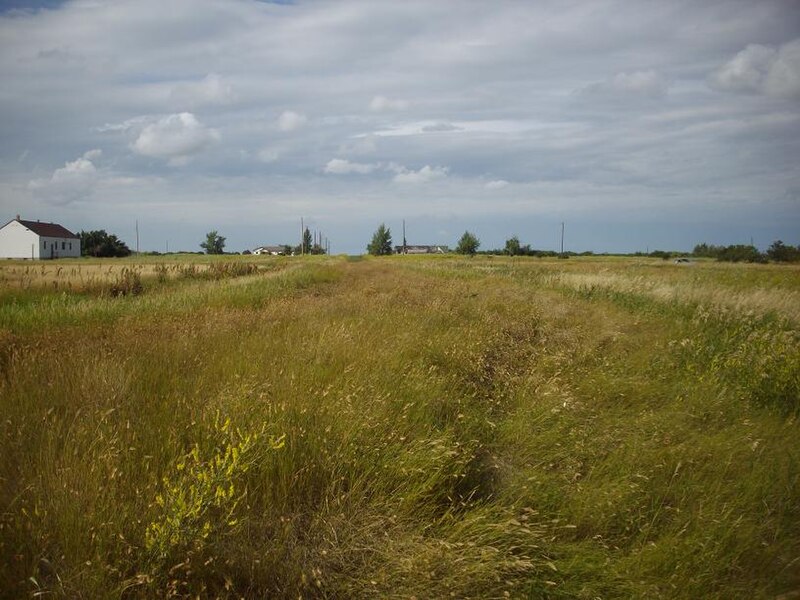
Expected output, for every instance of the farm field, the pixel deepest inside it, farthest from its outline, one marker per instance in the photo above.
(399, 427)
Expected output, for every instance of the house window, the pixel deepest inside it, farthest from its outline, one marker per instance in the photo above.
(45, 245)
(63, 245)
(70, 245)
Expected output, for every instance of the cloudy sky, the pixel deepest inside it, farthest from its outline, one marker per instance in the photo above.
(639, 124)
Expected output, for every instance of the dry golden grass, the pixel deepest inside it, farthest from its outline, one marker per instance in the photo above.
(703, 289)
(73, 275)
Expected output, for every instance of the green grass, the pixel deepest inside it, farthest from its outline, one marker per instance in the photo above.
(389, 428)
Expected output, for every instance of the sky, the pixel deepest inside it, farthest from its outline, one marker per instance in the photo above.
(638, 124)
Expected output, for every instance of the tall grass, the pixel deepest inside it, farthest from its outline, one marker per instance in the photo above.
(398, 428)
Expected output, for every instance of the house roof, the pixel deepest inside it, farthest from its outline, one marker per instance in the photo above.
(47, 229)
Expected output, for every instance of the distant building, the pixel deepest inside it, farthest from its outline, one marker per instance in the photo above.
(271, 250)
(37, 240)
(421, 249)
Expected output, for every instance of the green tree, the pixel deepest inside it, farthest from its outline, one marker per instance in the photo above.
(100, 243)
(741, 253)
(468, 244)
(780, 252)
(214, 244)
(707, 250)
(381, 243)
(513, 247)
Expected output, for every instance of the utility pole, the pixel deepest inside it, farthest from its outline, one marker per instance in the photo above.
(137, 237)
(404, 237)
(302, 238)
(562, 238)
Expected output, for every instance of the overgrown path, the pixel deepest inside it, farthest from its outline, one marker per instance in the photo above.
(390, 428)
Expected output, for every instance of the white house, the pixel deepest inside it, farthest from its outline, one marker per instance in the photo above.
(421, 249)
(271, 250)
(34, 239)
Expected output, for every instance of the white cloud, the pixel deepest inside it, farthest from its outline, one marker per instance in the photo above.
(290, 121)
(212, 89)
(761, 69)
(783, 78)
(93, 154)
(75, 180)
(382, 103)
(77, 172)
(648, 83)
(338, 166)
(745, 72)
(175, 137)
(424, 175)
(125, 126)
(497, 184)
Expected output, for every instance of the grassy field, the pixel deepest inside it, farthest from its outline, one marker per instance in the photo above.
(402, 427)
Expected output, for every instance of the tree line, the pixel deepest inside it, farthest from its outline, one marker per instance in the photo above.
(777, 252)
(99, 243)
(468, 244)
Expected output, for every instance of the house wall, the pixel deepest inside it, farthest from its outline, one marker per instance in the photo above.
(17, 241)
(52, 247)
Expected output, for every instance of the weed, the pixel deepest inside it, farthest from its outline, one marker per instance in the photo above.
(199, 500)
(162, 272)
(128, 283)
